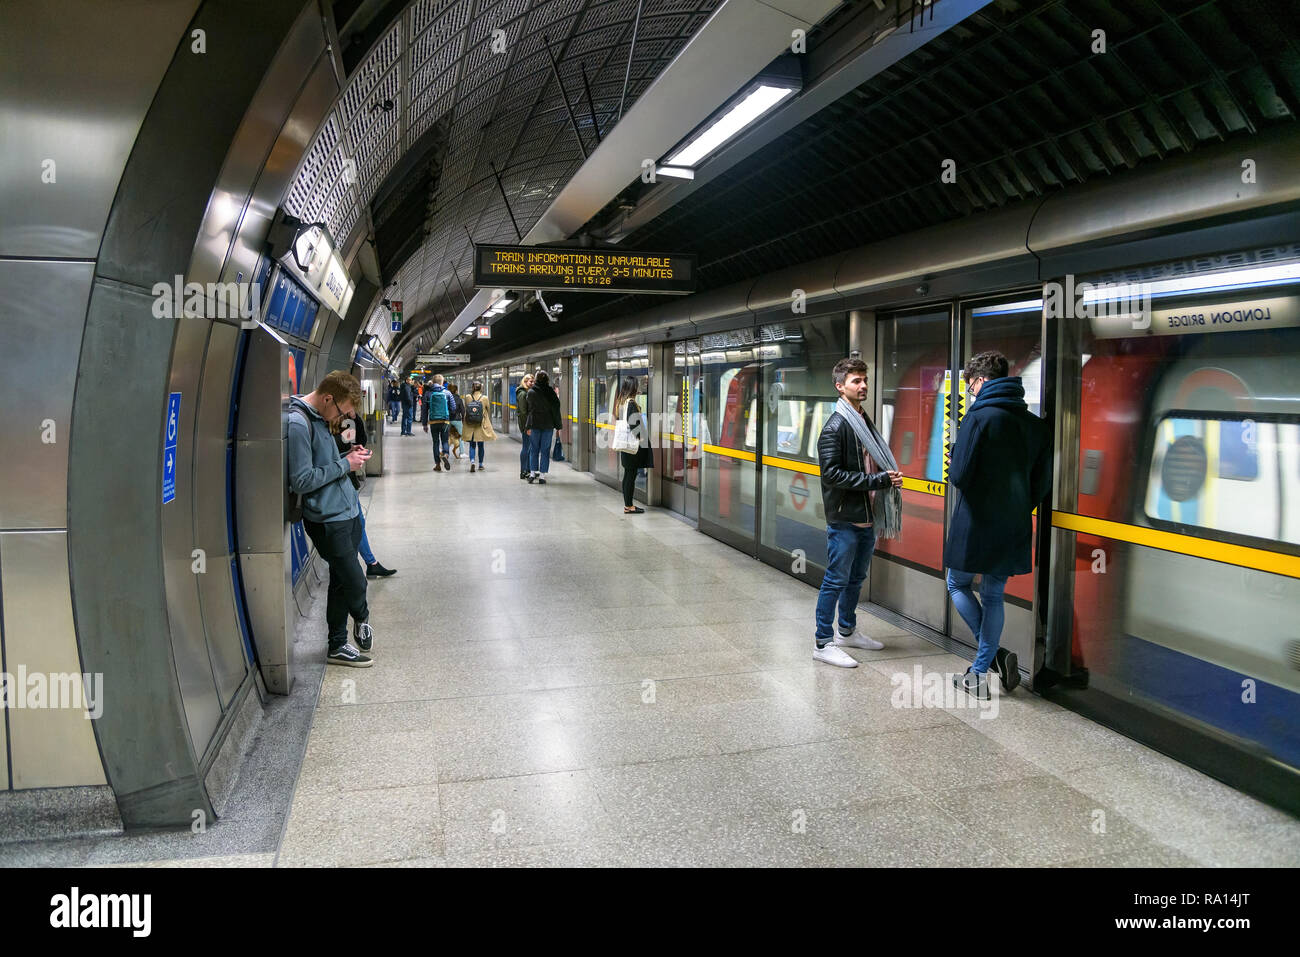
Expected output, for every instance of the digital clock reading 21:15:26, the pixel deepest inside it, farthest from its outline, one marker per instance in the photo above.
(583, 270)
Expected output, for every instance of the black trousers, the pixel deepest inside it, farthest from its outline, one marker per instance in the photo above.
(629, 476)
(337, 543)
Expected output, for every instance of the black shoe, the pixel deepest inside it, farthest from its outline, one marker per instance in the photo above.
(437, 466)
(364, 635)
(541, 480)
(1008, 666)
(974, 685)
(446, 462)
(347, 655)
(531, 478)
(523, 475)
(634, 510)
(471, 466)
(379, 571)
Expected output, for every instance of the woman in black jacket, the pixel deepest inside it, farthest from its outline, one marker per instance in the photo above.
(643, 458)
(543, 420)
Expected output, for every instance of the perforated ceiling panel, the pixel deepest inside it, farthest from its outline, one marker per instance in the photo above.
(446, 58)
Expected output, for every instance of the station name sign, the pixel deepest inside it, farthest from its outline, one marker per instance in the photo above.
(442, 359)
(583, 270)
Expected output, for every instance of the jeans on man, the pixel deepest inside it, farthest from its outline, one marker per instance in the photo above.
(849, 548)
(984, 617)
(337, 543)
(438, 432)
(539, 451)
(367, 555)
(526, 443)
(394, 409)
(408, 417)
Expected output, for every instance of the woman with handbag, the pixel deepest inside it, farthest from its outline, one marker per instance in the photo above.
(476, 426)
(632, 445)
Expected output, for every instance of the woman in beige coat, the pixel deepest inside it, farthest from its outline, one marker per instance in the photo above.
(477, 425)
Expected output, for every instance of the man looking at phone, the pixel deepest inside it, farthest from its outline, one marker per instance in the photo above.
(319, 474)
(860, 482)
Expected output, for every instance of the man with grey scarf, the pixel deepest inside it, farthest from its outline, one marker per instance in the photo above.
(848, 450)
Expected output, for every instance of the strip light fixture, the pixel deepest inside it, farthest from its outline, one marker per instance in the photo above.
(754, 102)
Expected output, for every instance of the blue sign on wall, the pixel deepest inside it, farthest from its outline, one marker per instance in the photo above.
(170, 435)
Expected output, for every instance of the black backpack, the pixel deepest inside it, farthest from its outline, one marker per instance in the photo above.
(454, 407)
(473, 412)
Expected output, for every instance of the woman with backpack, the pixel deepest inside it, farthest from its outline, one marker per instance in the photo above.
(476, 427)
(543, 420)
(625, 408)
(455, 409)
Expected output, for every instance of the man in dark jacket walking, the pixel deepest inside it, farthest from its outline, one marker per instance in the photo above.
(1000, 470)
(855, 462)
(408, 407)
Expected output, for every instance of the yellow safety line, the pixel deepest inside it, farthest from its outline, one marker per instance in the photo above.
(602, 425)
(573, 418)
(1244, 556)
(924, 486)
(791, 465)
(730, 453)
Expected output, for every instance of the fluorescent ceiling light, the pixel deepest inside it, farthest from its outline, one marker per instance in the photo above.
(680, 172)
(745, 112)
(1204, 282)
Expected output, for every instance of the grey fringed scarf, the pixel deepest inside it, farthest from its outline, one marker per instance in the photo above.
(886, 504)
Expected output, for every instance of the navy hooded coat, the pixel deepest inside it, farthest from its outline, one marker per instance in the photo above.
(1001, 470)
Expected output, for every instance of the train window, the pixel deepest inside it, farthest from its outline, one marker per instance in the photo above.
(1220, 473)
(789, 426)
(821, 412)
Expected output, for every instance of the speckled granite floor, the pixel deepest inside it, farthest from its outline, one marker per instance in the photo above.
(558, 684)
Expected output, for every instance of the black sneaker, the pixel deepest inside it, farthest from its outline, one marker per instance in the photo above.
(541, 480)
(471, 467)
(1008, 666)
(347, 655)
(379, 571)
(364, 635)
(446, 462)
(974, 685)
(523, 475)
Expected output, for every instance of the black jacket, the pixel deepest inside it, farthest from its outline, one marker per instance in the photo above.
(1001, 470)
(846, 488)
(345, 447)
(543, 409)
(408, 395)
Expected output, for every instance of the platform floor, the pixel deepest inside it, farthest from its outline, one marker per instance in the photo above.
(556, 683)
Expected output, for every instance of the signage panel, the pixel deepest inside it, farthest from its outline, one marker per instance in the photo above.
(170, 435)
(583, 270)
(445, 359)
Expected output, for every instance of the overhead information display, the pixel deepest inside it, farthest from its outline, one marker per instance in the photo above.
(583, 270)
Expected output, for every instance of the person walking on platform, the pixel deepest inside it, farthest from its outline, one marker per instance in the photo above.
(625, 408)
(394, 401)
(407, 400)
(319, 474)
(1000, 469)
(477, 427)
(543, 419)
(851, 453)
(436, 419)
(521, 413)
(350, 432)
(455, 425)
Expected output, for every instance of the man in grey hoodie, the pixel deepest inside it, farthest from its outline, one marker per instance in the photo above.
(319, 474)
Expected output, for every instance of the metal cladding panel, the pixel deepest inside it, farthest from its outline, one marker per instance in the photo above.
(44, 318)
(267, 591)
(261, 513)
(77, 80)
(992, 236)
(216, 594)
(1205, 185)
(114, 546)
(252, 142)
(189, 642)
(777, 291)
(53, 745)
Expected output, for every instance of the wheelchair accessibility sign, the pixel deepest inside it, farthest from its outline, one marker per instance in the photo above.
(170, 435)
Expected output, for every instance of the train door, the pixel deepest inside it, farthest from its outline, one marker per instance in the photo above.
(680, 442)
(913, 353)
(1013, 328)
(574, 445)
(730, 380)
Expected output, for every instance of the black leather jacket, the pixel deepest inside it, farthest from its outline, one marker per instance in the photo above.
(846, 489)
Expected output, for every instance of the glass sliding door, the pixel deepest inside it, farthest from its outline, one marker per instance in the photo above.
(730, 381)
(914, 385)
(680, 432)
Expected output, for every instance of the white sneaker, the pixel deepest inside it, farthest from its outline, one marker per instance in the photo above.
(833, 656)
(858, 640)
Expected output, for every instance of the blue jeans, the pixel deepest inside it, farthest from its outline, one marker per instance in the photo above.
(407, 418)
(526, 443)
(539, 451)
(438, 432)
(394, 408)
(849, 548)
(481, 452)
(367, 555)
(985, 621)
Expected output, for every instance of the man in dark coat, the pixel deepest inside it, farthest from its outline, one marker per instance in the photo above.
(408, 407)
(1000, 470)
